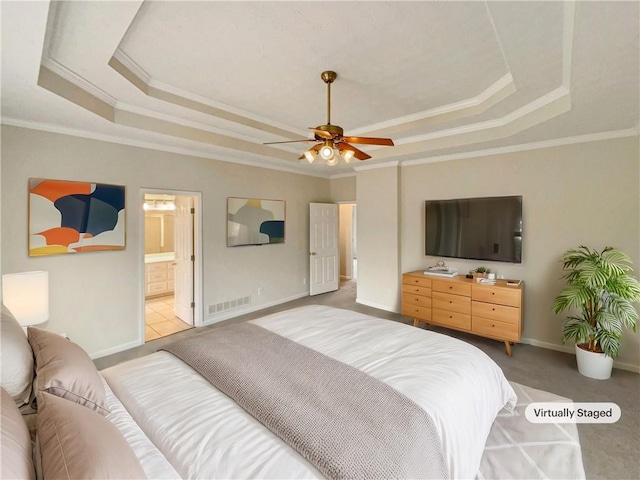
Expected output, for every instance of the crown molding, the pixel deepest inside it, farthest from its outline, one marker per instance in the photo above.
(77, 80)
(282, 165)
(496, 92)
(558, 142)
(168, 93)
(375, 166)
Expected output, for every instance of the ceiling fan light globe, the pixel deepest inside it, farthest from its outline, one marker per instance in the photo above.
(326, 152)
(310, 155)
(333, 161)
(347, 155)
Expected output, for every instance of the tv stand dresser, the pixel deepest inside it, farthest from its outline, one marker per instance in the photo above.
(492, 311)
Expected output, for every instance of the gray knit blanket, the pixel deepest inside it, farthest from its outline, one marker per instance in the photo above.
(346, 423)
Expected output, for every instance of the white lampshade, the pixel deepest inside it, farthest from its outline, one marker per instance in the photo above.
(347, 155)
(26, 294)
(326, 152)
(310, 155)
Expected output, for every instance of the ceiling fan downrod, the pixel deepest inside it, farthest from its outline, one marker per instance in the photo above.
(328, 77)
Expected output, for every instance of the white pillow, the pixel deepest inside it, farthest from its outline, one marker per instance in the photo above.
(16, 442)
(16, 362)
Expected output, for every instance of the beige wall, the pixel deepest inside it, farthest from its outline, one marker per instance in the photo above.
(378, 238)
(579, 194)
(96, 297)
(343, 189)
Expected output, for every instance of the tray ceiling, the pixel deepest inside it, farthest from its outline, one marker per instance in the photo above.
(218, 79)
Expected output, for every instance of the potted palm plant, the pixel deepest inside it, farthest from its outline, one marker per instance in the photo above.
(601, 287)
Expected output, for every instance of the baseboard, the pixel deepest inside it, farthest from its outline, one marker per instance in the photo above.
(243, 311)
(561, 348)
(116, 349)
(375, 305)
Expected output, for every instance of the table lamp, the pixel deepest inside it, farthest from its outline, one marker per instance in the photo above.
(26, 294)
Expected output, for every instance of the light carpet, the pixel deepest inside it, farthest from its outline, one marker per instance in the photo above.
(519, 449)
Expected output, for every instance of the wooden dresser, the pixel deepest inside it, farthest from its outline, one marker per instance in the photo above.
(493, 311)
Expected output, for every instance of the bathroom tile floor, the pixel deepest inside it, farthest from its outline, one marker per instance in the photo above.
(160, 320)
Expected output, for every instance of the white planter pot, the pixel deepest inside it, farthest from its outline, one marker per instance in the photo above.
(593, 365)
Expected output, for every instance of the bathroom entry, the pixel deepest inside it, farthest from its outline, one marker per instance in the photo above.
(168, 262)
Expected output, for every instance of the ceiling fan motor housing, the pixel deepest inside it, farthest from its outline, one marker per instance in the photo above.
(334, 130)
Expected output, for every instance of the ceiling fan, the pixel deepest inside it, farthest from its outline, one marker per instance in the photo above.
(333, 144)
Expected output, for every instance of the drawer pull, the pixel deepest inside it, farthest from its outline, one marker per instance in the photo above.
(417, 299)
(493, 293)
(450, 301)
(493, 309)
(417, 290)
(450, 316)
(450, 287)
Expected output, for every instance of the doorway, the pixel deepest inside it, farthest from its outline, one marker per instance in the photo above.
(170, 263)
(348, 242)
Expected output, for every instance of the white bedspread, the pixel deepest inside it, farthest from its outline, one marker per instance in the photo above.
(205, 435)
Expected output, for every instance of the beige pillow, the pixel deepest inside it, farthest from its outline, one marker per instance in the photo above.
(16, 360)
(16, 441)
(76, 442)
(64, 369)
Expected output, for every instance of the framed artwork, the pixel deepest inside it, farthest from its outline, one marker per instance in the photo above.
(74, 217)
(253, 221)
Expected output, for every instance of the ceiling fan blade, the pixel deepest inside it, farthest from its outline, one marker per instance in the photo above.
(291, 141)
(369, 140)
(321, 133)
(359, 154)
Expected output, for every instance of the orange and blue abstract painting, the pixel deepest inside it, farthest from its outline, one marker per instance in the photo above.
(72, 217)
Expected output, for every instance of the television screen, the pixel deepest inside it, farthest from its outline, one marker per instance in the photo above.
(475, 228)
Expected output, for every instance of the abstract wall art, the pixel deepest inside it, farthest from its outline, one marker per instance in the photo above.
(73, 217)
(252, 221)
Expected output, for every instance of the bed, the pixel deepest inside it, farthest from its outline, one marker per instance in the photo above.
(178, 425)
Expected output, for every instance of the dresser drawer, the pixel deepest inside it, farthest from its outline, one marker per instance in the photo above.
(460, 321)
(503, 296)
(417, 281)
(157, 277)
(416, 290)
(451, 287)
(495, 329)
(452, 303)
(156, 288)
(494, 311)
(415, 311)
(156, 267)
(419, 300)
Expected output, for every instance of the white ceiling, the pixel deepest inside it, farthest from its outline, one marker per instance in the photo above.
(218, 79)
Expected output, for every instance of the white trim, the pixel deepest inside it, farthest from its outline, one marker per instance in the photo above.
(373, 166)
(494, 89)
(561, 348)
(236, 312)
(511, 117)
(131, 65)
(379, 306)
(126, 107)
(558, 142)
(568, 36)
(78, 81)
(198, 314)
(157, 146)
(118, 348)
(139, 72)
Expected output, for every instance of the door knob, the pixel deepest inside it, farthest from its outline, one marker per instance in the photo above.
(313, 253)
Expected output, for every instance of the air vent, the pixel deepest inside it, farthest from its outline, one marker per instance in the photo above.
(229, 305)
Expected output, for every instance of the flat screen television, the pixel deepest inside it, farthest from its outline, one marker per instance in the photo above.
(475, 228)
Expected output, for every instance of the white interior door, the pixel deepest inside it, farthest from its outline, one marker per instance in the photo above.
(324, 254)
(183, 245)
